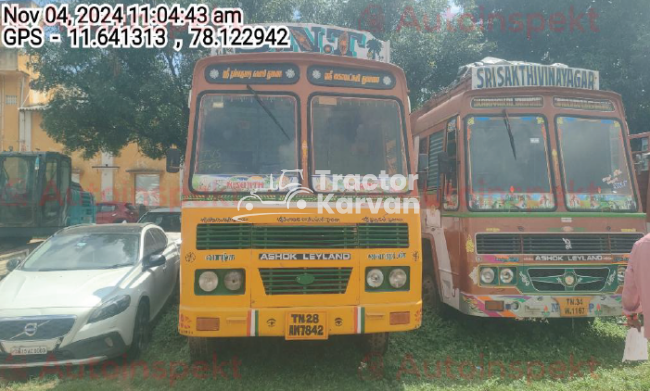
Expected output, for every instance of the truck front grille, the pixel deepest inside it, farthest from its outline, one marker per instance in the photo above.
(544, 244)
(249, 236)
(306, 281)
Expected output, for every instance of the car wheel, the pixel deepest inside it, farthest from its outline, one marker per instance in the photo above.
(141, 332)
(201, 348)
(374, 344)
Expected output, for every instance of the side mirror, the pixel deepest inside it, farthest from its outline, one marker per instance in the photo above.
(154, 260)
(13, 264)
(173, 160)
(444, 164)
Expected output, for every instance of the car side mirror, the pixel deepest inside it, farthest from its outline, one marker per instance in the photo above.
(173, 160)
(13, 264)
(154, 260)
(444, 163)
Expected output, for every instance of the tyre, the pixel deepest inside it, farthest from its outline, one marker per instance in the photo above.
(374, 344)
(431, 300)
(141, 332)
(201, 349)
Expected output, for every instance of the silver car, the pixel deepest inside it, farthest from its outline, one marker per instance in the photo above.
(86, 294)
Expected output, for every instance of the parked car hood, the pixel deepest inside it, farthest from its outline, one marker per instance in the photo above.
(79, 288)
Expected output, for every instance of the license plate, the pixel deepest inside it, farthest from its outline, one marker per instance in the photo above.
(306, 325)
(574, 306)
(32, 350)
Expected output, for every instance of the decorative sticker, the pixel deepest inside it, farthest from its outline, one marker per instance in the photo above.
(243, 183)
(252, 73)
(469, 246)
(586, 201)
(523, 201)
(333, 76)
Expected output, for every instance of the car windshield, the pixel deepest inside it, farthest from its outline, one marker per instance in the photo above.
(84, 251)
(509, 173)
(357, 136)
(169, 222)
(16, 178)
(599, 179)
(242, 139)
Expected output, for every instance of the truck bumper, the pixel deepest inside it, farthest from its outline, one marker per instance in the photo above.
(273, 322)
(523, 306)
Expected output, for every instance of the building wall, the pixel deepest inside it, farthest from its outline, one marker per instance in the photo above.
(122, 171)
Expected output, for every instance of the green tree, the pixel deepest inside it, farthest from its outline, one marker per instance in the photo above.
(104, 99)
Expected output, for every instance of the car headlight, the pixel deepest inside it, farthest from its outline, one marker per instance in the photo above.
(506, 275)
(208, 281)
(233, 280)
(397, 278)
(111, 308)
(620, 274)
(487, 275)
(375, 278)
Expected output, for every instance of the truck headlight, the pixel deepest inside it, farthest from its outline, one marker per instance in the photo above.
(487, 275)
(506, 275)
(233, 280)
(375, 278)
(111, 308)
(208, 281)
(397, 278)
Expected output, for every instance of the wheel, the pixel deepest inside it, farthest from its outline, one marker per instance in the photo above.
(374, 344)
(431, 300)
(141, 332)
(201, 349)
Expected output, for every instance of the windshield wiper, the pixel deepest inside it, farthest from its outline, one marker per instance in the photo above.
(506, 121)
(259, 101)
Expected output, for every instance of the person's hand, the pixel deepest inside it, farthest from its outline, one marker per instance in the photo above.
(633, 322)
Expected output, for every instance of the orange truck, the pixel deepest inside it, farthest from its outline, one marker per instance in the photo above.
(530, 207)
(268, 249)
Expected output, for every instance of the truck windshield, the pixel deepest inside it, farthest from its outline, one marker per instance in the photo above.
(598, 179)
(16, 179)
(498, 179)
(357, 136)
(242, 139)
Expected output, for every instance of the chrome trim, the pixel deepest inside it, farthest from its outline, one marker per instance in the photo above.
(39, 317)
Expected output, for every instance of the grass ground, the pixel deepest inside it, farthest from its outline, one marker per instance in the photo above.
(493, 354)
